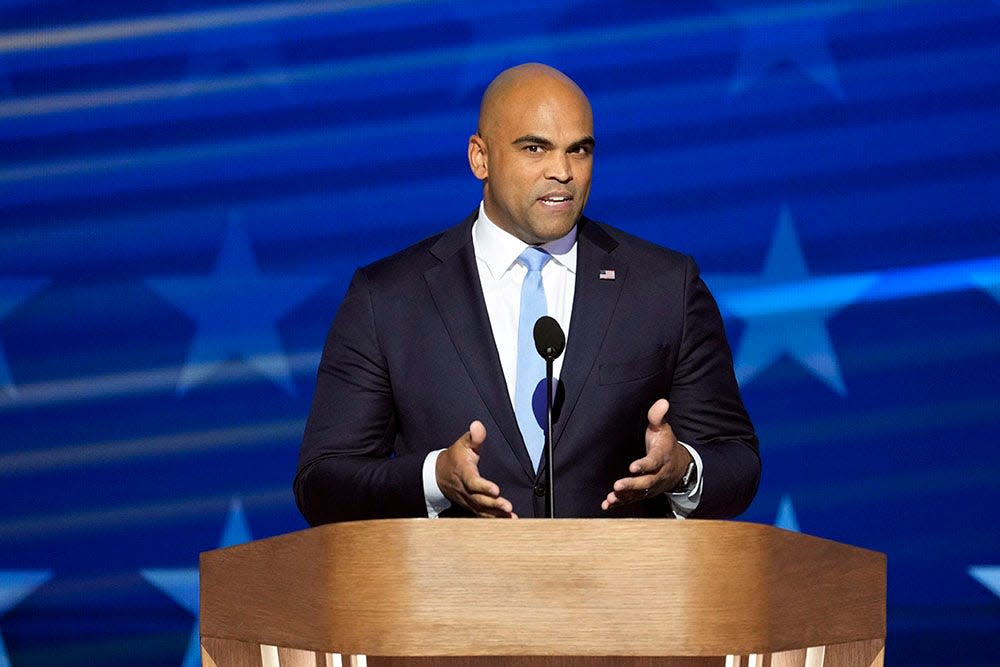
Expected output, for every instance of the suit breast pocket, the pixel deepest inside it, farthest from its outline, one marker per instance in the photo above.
(635, 369)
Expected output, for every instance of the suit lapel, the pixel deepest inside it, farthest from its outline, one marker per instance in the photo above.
(594, 303)
(455, 287)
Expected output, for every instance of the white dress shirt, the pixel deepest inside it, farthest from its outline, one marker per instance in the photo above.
(500, 277)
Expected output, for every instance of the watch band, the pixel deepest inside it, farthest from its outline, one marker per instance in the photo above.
(686, 480)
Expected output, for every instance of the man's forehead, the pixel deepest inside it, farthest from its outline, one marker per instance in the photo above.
(534, 96)
(543, 116)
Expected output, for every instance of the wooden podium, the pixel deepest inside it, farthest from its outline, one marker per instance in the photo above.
(543, 592)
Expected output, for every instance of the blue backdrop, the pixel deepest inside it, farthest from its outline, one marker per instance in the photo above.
(186, 187)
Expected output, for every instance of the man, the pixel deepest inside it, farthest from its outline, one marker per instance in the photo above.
(426, 348)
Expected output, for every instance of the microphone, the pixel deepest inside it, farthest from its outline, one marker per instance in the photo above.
(549, 338)
(550, 341)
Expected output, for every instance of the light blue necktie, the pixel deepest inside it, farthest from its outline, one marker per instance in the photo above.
(530, 410)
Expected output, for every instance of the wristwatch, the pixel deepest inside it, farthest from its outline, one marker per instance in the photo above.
(686, 480)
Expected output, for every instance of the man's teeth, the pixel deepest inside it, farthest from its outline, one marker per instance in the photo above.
(555, 199)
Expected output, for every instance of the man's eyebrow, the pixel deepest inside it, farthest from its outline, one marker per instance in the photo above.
(587, 141)
(532, 139)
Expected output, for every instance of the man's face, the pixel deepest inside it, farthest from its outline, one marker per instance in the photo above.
(535, 157)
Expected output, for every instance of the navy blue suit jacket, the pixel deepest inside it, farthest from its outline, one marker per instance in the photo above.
(410, 361)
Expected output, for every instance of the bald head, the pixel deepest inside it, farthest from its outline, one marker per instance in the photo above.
(520, 85)
(533, 151)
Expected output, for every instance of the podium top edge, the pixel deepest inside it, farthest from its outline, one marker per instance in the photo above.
(474, 528)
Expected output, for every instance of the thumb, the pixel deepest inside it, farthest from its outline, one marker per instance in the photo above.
(657, 414)
(477, 435)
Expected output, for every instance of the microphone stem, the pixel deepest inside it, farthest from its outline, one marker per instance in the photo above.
(550, 511)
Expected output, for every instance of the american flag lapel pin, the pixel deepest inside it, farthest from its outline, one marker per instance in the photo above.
(606, 274)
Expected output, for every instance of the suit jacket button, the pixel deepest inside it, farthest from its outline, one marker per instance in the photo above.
(540, 490)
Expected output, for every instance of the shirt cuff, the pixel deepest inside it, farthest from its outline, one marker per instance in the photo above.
(433, 498)
(685, 501)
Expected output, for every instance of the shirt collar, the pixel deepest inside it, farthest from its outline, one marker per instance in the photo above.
(500, 249)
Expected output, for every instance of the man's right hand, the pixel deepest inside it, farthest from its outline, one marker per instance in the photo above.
(457, 470)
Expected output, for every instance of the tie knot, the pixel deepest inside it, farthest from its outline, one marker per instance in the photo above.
(534, 258)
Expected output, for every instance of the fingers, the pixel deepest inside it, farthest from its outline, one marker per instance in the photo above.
(648, 475)
(474, 485)
(632, 489)
(483, 498)
(648, 464)
(490, 507)
(459, 479)
(469, 470)
(615, 499)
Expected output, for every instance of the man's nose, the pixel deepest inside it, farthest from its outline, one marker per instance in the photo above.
(559, 168)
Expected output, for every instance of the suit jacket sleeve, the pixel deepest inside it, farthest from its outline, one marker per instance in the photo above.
(706, 411)
(347, 466)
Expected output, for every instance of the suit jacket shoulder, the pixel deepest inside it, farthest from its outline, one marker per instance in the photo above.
(654, 259)
(408, 263)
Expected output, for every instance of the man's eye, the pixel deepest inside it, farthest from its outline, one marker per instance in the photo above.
(533, 148)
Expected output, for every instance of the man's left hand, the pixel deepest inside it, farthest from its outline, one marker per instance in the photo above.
(660, 470)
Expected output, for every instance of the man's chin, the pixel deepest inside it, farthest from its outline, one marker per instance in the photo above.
(554, 227)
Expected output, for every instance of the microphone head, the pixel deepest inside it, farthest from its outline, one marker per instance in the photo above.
(550, 341)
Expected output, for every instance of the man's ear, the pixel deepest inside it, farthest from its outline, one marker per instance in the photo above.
(477, 157)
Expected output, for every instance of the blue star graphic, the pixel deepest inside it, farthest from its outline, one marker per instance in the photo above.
(15, 585)
(786, 515)
(13, 292)
(786, 33)
(181, 585)
(988, 576)
(785, 310)
(236, 309)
